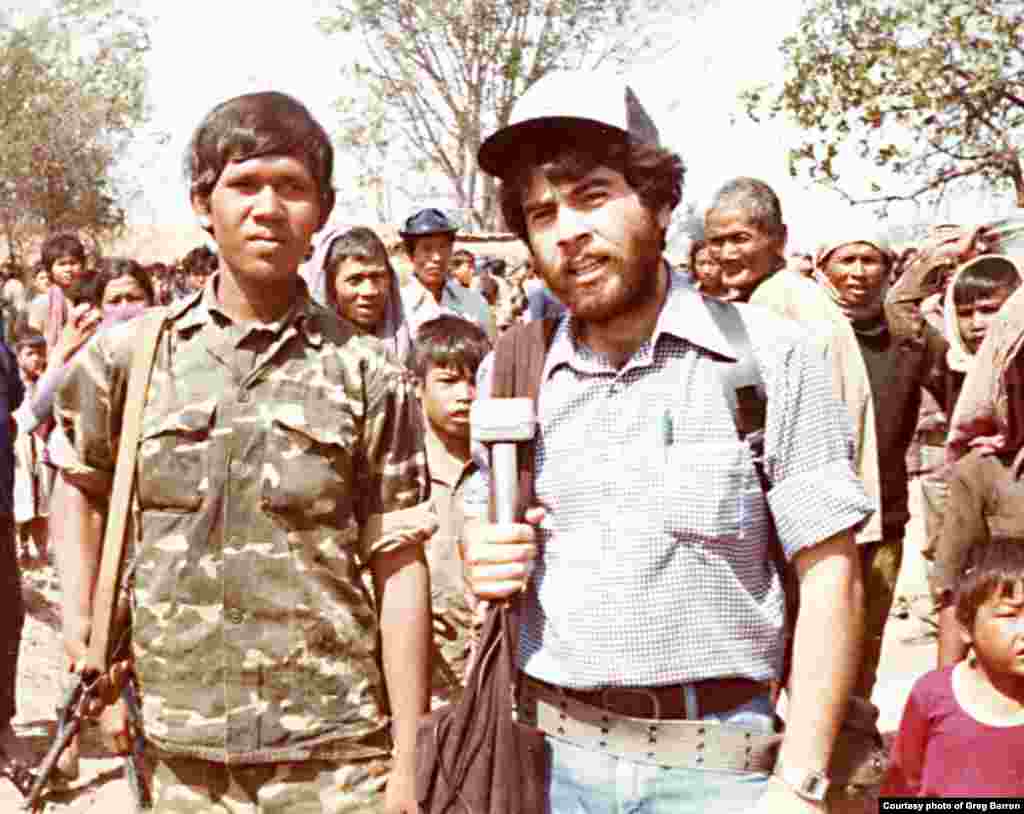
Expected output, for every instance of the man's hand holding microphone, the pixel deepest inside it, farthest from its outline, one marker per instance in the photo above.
(499, 556)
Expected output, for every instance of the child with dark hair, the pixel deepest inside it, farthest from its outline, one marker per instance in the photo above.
(33, 480)
(962, 732)
(463, 267)
(197, 266)
(448, 352)
(63, 256)
(976, 294)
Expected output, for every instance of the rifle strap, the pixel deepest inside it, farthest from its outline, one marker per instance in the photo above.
(149, 327)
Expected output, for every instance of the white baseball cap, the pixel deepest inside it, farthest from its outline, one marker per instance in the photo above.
(568, 99)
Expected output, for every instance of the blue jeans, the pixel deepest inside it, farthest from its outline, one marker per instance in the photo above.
(586, 782)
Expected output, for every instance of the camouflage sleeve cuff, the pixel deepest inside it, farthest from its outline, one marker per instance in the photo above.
(382, 533)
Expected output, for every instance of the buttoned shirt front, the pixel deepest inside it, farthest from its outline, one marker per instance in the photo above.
(420, 305)
(654, 563)
(453, 610)
(275, 460)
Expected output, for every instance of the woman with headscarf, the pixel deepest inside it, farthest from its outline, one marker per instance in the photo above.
(902, 357)
(350, 273)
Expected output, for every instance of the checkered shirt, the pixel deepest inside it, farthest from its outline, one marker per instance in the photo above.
(655, 565)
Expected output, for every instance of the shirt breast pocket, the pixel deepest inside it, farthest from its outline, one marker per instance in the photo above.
(710, 491)
(174, 458)
(307, 474)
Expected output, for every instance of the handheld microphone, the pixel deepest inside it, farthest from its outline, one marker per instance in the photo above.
(501, 424)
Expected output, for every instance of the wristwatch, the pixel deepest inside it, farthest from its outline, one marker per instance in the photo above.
(809, 785)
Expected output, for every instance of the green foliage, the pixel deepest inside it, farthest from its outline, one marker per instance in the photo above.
(72, 93)
(932, 90)
(436, 76)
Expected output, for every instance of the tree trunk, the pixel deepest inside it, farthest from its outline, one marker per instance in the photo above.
(1017, 173)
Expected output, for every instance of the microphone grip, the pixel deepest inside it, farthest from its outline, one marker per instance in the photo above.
(505, 479)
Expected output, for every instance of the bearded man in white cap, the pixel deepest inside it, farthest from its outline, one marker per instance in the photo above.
(654, 613)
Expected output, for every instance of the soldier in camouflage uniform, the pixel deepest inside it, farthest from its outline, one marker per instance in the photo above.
(281, 456)
(448, 351)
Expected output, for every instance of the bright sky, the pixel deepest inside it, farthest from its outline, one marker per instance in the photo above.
(205, 52)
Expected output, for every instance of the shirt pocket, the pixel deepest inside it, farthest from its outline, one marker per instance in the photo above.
(307, 475)
(711, 491)
(174, 458)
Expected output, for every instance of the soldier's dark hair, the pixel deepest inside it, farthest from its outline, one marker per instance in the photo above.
(991, 569)
(255, 125)
(114, 268)
(656, 174)
(755, 199)
(61, 245)
(984, 277)
(450, 342)
(358, 243)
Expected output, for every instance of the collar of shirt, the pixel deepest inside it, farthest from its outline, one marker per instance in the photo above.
(683, 315)
(418, 294)
(201, 307)
(444, 467)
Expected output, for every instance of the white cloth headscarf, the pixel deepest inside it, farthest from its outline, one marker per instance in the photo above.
(394, 329)
(847, 233)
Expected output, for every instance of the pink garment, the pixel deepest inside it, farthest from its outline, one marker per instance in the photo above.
(56, 315)
(941, 751)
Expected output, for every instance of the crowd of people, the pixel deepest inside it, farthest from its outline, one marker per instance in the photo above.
(313, 550)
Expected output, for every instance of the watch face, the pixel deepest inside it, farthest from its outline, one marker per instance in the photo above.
(814, 786)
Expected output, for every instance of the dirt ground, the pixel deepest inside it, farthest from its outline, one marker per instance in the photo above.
(102, 787)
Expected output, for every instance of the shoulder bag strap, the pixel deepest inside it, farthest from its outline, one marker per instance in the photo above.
(747, 398)
(150, 326)
(518, 366)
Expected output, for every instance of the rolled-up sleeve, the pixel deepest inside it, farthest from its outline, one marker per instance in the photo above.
(809, 449)
(395, 498)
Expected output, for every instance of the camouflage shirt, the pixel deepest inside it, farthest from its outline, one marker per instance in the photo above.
(274, 460)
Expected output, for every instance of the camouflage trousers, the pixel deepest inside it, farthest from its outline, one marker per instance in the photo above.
(880, 565)
(191, 786)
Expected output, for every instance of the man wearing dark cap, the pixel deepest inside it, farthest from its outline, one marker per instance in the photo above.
(429, 237)
(655, 613)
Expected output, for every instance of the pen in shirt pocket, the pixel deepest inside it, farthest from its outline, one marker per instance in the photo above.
(666, 432)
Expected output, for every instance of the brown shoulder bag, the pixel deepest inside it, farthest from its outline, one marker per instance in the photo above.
(473, 757)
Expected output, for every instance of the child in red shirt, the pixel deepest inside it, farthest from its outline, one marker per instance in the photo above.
(962, 732)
